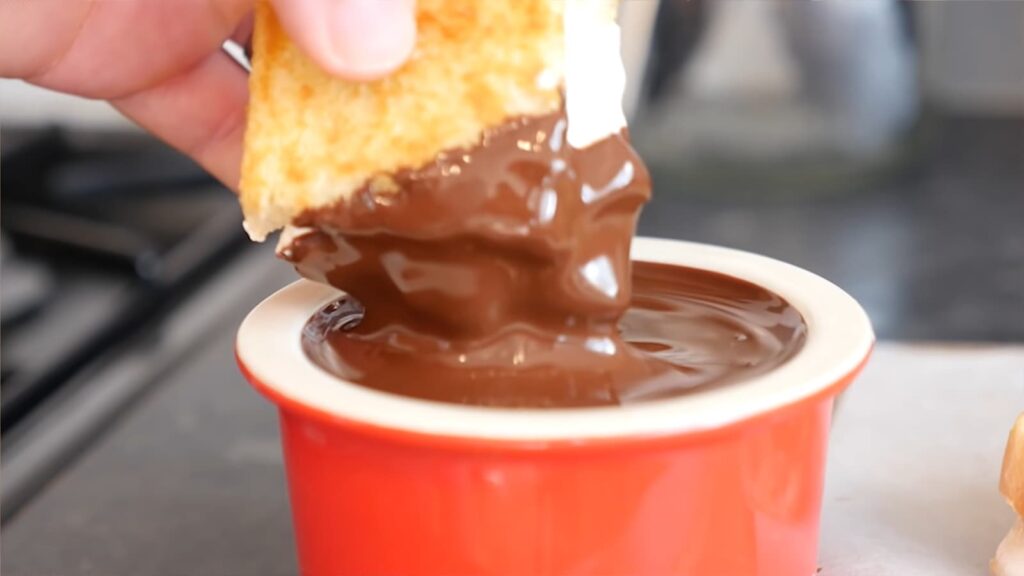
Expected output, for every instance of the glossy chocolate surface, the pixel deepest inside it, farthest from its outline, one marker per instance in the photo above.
(685, 330)
(498, 275)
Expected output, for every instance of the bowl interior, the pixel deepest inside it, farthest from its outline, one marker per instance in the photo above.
(839, 338)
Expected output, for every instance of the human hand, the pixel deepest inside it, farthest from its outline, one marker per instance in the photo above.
(159, 61)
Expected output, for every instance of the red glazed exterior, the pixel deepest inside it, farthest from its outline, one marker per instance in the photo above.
(727, 483)
(742, 500)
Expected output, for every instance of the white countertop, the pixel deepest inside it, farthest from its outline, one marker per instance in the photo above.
(916, 450)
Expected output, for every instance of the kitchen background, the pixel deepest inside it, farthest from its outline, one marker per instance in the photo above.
(879, 144)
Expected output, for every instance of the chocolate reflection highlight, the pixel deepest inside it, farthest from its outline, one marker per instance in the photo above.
(687, 330)
(497, 275)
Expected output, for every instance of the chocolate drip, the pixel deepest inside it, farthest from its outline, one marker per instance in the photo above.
(494, 275)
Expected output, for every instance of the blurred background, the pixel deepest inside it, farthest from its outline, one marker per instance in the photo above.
(878, 143)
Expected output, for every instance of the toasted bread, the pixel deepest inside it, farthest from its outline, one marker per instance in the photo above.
(1011, 484)
(1009, 560)
(313, 139)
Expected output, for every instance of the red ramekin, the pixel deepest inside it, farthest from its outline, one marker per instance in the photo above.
(726, 482)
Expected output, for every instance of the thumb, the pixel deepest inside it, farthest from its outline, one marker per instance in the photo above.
(356, 39)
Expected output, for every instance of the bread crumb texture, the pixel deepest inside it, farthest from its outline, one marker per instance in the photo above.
(312, 139)
(1011, 483)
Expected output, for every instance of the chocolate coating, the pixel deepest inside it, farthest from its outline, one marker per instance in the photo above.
(497, 275)
(520, 228)
(686, 330)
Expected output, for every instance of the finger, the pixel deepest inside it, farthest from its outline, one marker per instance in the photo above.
(243, 34)
(200, 112)
(107, 49)
(357, 39)
(24, 51)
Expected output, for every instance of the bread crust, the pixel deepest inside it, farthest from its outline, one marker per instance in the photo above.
(1009, 560)
(1011, 483)
(312, 139)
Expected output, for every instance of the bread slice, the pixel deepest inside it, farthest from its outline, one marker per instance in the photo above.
(313, 139)
(1011, 484)
(1009, 560)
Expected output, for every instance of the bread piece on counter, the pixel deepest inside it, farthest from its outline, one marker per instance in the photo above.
(312, 139)
(1009, 560)
(1011, 484)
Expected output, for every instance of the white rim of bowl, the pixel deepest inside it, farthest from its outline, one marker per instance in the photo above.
(839, 338)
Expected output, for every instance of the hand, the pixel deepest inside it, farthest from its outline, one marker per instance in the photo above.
(159, 61)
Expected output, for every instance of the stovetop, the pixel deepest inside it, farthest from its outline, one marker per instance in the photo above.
(102, 236)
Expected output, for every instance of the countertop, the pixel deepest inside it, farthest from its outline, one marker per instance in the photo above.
(915, 455)
(191, 483)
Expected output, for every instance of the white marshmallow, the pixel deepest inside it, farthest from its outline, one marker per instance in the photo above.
(595, 78)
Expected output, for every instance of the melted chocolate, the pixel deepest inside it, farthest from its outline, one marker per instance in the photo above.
(497, 275)
(522, 228)
(686, 330)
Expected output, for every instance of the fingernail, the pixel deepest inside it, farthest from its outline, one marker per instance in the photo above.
(370, 38)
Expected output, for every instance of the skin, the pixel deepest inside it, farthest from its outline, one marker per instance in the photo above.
(159, 61)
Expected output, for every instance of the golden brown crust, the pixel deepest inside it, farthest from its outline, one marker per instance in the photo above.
(312, 139)
(1011, 483)
(1009, 560)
